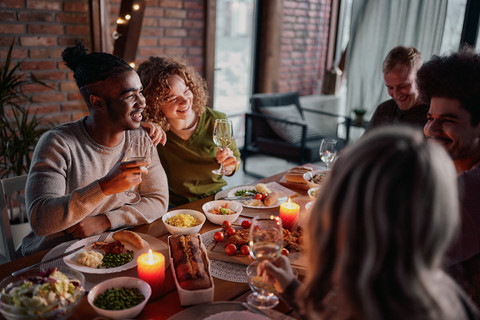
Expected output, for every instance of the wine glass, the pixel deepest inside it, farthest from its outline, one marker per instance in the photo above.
(266, 241)
(328, 150)
(222, 137)
(140, 149)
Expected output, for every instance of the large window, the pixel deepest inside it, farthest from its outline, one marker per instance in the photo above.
(233, 55)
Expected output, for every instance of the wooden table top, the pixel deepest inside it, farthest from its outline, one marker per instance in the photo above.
(168, 303)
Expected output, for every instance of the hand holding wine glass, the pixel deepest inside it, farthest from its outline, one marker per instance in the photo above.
(140, 149)
(266, 240)
(222, 137)
(328, 150)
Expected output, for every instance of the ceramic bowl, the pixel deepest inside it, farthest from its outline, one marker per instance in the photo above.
(184, 230)
(58, 310)
(218, 218)
(309, 176)
(313, 193)
(127, 282)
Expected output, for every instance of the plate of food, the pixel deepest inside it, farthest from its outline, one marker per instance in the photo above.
(119, 252)
(259, 196)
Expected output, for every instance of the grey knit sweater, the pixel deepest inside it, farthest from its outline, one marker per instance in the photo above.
(62, 186)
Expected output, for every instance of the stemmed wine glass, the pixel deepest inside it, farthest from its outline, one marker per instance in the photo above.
(222, 137)
(266, 240)
(328, 150)
(140, 149)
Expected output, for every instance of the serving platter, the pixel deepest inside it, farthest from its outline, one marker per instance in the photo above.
(282, 197)
(70, 260)
(216, 251)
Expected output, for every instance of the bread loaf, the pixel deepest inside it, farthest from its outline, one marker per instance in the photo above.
(190, 262)
(295, 174)
(271, 199)
(129, 237)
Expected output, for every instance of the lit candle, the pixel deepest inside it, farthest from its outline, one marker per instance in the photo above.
(151, 269)
(289, 214)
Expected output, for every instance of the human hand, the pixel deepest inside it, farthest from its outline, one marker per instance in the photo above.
(123, 176)
(155, 132)
(279, 273)
(89, 226)
(227, 159)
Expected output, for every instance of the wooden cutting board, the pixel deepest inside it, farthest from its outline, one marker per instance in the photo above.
(216, 251)
(288, 184)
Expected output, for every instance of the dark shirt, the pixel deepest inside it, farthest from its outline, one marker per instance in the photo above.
(389, 113)
(463, 257)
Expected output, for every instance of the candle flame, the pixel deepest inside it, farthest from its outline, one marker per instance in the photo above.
(150, 256)
(289, 203)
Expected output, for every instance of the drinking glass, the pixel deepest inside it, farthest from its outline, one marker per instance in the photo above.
(140, 149)
(328, 150)
(222, 137)
(266, 240)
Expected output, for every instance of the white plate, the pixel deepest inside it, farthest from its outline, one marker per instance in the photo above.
(70, 260)
(282, 197)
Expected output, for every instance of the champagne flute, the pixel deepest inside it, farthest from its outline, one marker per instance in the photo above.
(140, 149)
(222, 137)
(328, 150)
(266, 241)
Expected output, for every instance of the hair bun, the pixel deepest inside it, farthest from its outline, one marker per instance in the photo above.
(73, 55)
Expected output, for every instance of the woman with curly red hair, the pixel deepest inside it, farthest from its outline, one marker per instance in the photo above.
(176, 97)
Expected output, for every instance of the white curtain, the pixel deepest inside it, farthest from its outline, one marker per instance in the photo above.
(377, 27)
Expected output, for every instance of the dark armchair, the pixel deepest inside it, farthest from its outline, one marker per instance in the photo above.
(276, 127)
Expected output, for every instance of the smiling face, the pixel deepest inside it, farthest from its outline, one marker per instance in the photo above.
(125, 101)
(449, 125)
(179, 101)
(401, 86)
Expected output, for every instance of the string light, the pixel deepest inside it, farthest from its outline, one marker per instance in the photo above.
(132, 65)
(119, 21)
(136, 7)
(127, 17)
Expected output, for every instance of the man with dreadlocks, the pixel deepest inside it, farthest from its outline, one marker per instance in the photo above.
(76, 169)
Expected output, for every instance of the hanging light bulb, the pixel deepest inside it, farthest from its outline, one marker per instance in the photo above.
(136, 7)
(132, 65)
(127, 17)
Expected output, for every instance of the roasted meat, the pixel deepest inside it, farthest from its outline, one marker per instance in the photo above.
(106, 247)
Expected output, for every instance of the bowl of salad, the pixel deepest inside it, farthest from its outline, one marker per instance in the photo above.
(220, 210)
(315, 178)
(41, 293)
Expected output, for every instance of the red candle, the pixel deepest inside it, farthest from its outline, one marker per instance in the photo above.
(289, 214)
(151, 269)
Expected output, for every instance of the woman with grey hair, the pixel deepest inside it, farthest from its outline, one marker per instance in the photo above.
(377, 235)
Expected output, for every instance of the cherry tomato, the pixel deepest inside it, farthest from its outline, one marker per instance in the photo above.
(230, 231)
(226, 224)
(285, 252)
(245, 250)
(258, 196)
(264, 195)
(231, 249)
(218, 236)
(246, 224)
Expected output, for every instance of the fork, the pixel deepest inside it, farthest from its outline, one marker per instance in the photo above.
(103, 236)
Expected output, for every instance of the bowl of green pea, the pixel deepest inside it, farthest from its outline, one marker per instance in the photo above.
(119, 298)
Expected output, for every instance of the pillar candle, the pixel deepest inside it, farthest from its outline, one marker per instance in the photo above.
(289, 214)
(151, 269)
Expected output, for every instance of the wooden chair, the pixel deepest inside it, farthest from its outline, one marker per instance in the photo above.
(260, 138)
(11, 197)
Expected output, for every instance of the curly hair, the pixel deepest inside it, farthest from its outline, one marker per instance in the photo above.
(154, 74)
(407, 56)
(455, 76)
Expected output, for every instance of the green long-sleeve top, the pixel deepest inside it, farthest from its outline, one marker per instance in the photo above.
(189, 163)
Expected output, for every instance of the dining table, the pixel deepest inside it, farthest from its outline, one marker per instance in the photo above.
(167, 304)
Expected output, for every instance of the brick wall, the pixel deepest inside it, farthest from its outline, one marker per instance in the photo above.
(41, 29)
(304, 45)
